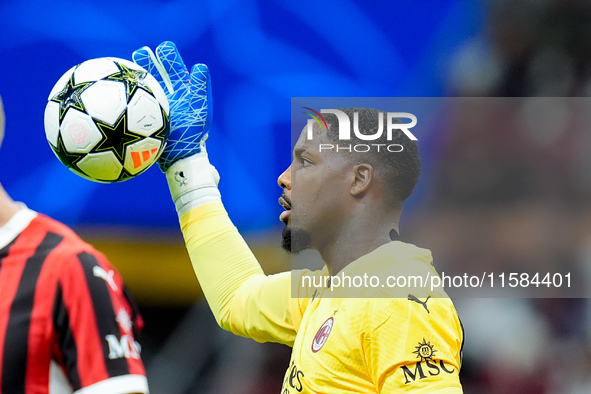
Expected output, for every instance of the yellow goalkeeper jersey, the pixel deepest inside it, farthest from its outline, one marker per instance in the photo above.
(375, 340)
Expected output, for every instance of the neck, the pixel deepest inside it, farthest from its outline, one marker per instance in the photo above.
(359, 235)
(7, 207)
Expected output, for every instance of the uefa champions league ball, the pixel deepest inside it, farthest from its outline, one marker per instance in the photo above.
(107, 119)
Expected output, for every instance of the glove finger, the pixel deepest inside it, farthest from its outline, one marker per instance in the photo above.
(200, 79)
(144, 57)
(172, 63)
(201, 89)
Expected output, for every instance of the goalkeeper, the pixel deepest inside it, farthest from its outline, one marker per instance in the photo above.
(347, 208)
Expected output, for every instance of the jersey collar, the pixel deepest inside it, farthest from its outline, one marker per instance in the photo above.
(17, 223)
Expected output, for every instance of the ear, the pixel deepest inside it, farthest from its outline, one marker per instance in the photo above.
(362, 177)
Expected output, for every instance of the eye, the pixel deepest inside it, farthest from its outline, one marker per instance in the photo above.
(305, 162)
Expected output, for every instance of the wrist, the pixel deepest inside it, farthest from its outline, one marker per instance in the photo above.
(193, 181)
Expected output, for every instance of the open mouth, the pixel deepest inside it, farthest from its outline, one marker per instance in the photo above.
(285, 203)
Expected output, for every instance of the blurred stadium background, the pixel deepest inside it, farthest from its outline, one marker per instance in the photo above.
(494, 195)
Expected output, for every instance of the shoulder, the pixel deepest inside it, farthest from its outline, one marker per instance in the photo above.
(409, 313)
(67, 249)
(44, 223)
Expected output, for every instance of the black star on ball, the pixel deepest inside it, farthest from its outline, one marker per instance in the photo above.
(132, 79)
(68, 158)
(116, 138)
(69, 96)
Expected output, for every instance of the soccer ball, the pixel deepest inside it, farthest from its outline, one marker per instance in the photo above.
(107, 119)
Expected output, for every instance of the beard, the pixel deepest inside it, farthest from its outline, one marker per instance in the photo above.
(295, 240)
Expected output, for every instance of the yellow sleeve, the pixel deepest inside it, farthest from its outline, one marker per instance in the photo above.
(242, 298)
(410, 349)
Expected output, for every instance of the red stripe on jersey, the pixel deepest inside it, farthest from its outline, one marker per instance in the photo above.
(84, 328)
(12, 263)
(41, 332)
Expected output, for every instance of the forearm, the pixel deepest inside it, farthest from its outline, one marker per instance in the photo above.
(221, 258)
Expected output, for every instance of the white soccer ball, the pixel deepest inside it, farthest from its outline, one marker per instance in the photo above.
(107, 119)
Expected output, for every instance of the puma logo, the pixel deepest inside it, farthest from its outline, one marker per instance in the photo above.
(99, 272)
(423, 303)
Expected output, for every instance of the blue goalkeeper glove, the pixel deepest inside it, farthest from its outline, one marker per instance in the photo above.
(189, 96)
(191, 179)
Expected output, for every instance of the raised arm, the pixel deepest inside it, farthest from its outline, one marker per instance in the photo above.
(242, 298)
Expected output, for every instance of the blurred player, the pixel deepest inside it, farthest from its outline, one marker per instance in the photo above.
(347, 208)
(67, 323)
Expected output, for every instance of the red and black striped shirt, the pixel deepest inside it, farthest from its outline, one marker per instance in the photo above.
(62, 302)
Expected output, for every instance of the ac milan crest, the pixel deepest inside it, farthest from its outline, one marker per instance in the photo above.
(322, 335)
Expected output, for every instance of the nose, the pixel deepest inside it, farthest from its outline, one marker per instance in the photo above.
(284, 180)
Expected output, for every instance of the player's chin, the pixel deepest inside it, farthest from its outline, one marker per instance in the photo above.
(286, 238)
(294, 240)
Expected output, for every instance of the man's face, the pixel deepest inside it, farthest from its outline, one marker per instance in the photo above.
(314, 189)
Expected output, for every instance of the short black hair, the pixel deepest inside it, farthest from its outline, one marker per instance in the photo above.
(400, 170)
